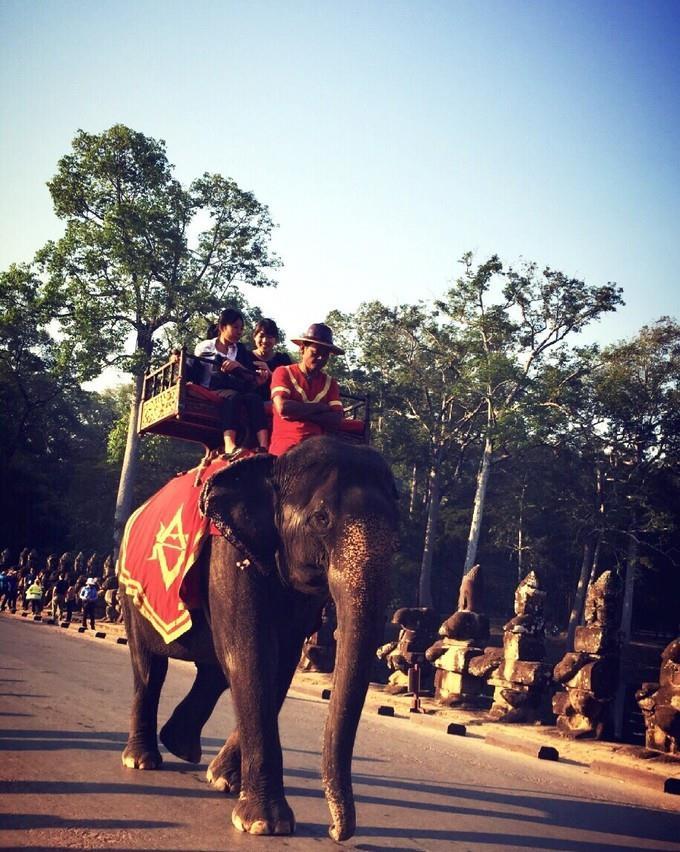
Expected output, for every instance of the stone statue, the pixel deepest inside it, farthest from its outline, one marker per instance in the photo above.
(79, 565)
(318, 652)
(65, 563)
(464, 634)
(418, 629)
(660, 703)
(590, 673)
(94, 565)
(521, 677)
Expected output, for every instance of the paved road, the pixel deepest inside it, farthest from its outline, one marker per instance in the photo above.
(63, 715)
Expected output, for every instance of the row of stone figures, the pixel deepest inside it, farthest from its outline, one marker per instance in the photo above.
(586, 678)
(68, 563)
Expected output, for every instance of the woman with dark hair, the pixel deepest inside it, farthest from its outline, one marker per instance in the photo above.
(230, 370)
(265, 338)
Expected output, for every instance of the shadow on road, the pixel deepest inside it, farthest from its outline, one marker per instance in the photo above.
(416, 810)
(613, 819)
(11, 740)
(11, 822)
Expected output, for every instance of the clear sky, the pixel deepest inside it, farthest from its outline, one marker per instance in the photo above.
(387, 138)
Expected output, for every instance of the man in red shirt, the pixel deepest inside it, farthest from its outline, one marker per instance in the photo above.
(305, 400)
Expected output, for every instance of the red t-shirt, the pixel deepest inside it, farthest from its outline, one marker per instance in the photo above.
(291, 383)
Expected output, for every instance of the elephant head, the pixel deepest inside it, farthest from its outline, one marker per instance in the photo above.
(323, 517)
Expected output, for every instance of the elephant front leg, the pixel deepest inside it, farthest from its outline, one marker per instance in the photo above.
(261, 807)
(224, 771)
(141, 751)
(245, 641)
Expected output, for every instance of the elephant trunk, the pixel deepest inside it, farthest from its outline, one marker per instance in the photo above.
(358, 584)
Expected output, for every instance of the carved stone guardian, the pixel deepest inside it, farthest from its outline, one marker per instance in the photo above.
(418, 629)
(660, 703)
(522, 675)
(590, 673)
(464, 634)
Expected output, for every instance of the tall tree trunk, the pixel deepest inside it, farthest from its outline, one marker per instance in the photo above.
(478, 508)
(579, 597)
(425, 581)
(128, 471)
(629, 590)
(414, 492)
(520, 535)
(591, 560)
(626, 625)
(595, 567)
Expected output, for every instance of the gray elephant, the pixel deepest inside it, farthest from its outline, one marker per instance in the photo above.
(318, 521)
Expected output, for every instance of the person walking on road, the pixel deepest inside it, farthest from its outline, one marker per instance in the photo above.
(59, 597)
(71, 600)
(34, 596)
(9, 599)
(88, 598)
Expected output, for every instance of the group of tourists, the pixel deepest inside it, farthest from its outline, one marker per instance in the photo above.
(61, 593)
(305, 400)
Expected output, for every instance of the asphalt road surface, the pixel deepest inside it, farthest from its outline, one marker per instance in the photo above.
(64, 704)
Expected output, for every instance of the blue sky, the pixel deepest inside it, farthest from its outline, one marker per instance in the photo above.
(387, 138)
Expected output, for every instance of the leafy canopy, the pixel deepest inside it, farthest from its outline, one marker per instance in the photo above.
(140, 251)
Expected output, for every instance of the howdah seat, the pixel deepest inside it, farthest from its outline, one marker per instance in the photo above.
(174, 406)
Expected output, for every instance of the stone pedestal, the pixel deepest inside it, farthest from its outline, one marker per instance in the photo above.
(453, 683)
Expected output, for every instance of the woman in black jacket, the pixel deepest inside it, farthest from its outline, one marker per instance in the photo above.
(230, 370)
(265, 338)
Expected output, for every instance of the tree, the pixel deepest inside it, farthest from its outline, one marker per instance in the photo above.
(510, 340)
(128, 266)
(637, 400)
(52, 432)
(410, 360)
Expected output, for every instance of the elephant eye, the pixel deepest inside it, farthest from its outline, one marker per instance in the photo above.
(320, 519)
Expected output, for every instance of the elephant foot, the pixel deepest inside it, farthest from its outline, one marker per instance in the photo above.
(272, 817)
(138, 755)
(224, 771)
(183, 743)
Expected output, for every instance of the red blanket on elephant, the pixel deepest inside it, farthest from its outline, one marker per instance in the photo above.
(161, 543)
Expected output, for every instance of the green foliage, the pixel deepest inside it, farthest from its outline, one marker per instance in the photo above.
(585, 440)
(129, 263)
(55, 485)
(486, 365)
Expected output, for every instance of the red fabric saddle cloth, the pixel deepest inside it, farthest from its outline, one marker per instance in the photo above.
(161, 544)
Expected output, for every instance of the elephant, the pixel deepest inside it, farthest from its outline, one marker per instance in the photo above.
(320, 521)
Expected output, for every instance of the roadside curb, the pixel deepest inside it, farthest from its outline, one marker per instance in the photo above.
(104, 630)
(644, 776)
(542, 752)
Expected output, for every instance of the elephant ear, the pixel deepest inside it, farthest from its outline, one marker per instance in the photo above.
(240, 500)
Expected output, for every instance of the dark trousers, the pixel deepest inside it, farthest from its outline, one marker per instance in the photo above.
(233, 404)
(88, 612)
(10, 601)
